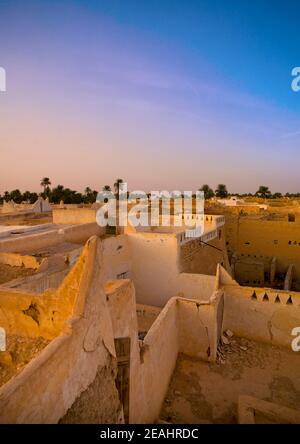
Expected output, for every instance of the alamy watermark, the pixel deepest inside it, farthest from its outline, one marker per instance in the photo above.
(2, 79)
(155, 209)
(296, 80)
(2, 340)
(296, 342)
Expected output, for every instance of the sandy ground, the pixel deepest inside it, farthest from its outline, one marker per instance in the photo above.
(200, 392)
(8, 273)
(19, 351)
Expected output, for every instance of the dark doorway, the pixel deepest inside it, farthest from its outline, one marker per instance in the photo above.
(122, 346)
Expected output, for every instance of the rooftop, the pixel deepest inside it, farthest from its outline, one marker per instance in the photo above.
(202, 392)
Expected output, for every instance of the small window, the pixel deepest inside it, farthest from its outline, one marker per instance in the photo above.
(291, 217)
(276, 242)
(247, 243)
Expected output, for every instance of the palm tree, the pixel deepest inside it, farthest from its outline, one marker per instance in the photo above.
(221, 191)
(117, 185)
(87, 191)
(45, 183)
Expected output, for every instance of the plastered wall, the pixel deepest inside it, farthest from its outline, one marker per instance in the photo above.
(156, 272)
(265, 239)
(74, 216)
(263, 315)
(80, 360)
(62, 374)
(76, 234)
(182, 326)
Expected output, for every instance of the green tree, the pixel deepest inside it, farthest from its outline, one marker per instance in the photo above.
(26, 196)
(57, 194)
(221, 191)
(90, 195)
(208, 192)
(264, 192)
(277, 195)
(16, 196)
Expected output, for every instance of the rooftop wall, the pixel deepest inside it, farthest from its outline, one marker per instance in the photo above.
(266, 238)
(52, 236)
(182, 326)
(263, 315)
(74, 216)
(63, 374)
(156, 273)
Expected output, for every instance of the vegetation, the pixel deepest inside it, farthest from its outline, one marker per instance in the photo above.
(45, 183)
(221, 191)
(69, 196)
(57, 194)
(208, 192)
(264, 192)
(117, 186)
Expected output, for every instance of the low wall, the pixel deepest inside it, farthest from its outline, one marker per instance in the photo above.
(73, 378)
(159, 355)
(39, 282)
(31, 242)
(182, 326)
(74, 216)
(146, 315)
(196, 286)
(81, 233)
(77, 368)
(42, 314)
(198, 328)
(263, 315)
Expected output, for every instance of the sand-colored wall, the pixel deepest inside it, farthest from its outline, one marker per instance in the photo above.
(250, 272)
(156, 273)
(76, 234)
(197, 257)
(265, 239)
(254, 313)
(159, 354)
(154, 267)
(195, 286)
(198, 327)
(182, 326)
(81, 362)
(74, 216)
(146, 315)
(44, 314)
(116, 250)
(62, 374)
(40, 282)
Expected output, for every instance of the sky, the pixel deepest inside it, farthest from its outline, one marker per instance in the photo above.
(166, 94)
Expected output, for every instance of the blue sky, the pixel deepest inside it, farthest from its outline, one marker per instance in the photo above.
(166, 94)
